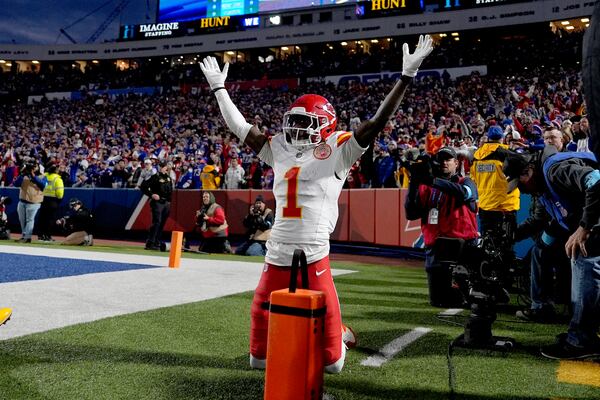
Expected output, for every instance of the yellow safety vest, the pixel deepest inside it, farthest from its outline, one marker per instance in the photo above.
(491, 181)
(55, 186)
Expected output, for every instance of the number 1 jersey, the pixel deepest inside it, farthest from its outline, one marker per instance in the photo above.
(307, 185)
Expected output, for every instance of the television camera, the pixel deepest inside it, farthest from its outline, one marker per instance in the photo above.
(480, 272)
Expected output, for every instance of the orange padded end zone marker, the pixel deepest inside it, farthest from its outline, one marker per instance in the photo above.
(175, 252)
(295, 345)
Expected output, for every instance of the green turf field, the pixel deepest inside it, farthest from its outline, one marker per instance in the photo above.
(200, 351)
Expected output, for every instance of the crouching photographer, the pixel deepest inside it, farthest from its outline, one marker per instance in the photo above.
(213, 224)
(78, 223)
(446, 204)
(258, 222)
(5, 201)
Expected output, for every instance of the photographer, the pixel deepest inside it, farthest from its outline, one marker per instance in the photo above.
(259, 222)
(568, 186)
(213, 225)
(549, 263)
(31, 195)
(4, 231)
(78, 223)
(446, 204)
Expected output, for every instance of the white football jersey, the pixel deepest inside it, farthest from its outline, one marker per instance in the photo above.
(307, 186)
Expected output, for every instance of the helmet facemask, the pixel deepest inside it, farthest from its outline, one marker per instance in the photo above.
(302, 129)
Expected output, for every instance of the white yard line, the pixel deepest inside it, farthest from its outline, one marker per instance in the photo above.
(41, 305)
(388, 351)
(450, 312)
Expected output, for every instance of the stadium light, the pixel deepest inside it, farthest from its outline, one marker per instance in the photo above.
(374, 41)
(584, 20)
(570, 27)
(587, 25)
(454, 33)
(231, 52)
(443, 35)
(35, 62)
(8, 64)
(457, 39)
(565, 23)
(275, 20)
(2, 62)
(344, 44)
(95, 61)
(285, 48)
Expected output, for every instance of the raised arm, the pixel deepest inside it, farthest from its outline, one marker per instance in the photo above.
(368, 130)
(248, 133)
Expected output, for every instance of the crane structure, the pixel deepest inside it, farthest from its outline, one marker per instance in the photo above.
(115, 12)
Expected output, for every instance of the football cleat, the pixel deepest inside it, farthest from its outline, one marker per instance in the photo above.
(257, 363)
(5, 314)
(348, 337)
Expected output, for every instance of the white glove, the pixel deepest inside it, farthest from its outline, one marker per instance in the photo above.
(412, 62)
(212, 72)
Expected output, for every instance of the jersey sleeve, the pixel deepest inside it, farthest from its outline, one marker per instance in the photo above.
(349, 151)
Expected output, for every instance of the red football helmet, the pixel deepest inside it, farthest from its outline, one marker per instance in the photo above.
(310, 119)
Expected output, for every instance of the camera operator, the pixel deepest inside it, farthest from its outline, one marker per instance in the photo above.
(31, 195)
(446, 204)
(53, 194)
(497, 209)
(548, 258)
(5, 201)
(213, 225)
(78, 223)
(568, 185)
(259, 222)
(159, 188)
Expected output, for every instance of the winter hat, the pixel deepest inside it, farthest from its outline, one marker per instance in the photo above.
(495, 133)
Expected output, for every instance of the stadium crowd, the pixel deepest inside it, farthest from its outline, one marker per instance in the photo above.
(116, 142)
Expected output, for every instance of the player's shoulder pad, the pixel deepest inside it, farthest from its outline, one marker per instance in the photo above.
(342, 137)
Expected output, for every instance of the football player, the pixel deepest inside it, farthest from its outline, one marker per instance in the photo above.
(310, 160)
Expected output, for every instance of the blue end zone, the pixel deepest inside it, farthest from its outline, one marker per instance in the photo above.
(17, 267)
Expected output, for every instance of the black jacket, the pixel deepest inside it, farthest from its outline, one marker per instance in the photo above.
(568, 178)
(80, 220)
(160, 184)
